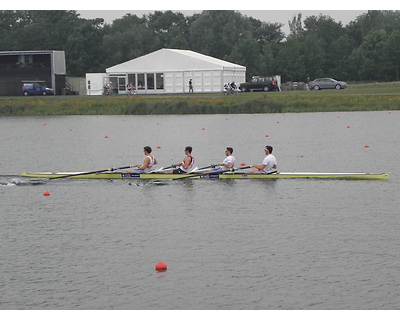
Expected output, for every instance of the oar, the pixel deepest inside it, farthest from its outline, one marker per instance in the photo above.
(162, 169)
(208, 173)
(210, 166)
(90, 172)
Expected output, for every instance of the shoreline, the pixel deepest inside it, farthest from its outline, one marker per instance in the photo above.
(371, 97)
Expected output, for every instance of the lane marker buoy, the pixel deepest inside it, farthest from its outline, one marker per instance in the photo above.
(161, 266)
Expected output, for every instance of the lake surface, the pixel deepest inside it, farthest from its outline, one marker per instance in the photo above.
(231, 245)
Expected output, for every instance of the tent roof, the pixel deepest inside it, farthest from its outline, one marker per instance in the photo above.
(173, 60)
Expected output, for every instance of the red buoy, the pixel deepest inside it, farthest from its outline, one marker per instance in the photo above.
(106, 137)
(161, 266)
(366, 146)
(158, 147)
(46, 193)
(266, 135)
(243, 164)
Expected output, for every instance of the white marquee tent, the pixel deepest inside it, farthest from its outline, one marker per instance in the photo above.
(170, 70)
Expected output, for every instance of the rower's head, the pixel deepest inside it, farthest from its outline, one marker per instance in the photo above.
(147, 149)
(188, 149)
(228, 151)
(268, 149)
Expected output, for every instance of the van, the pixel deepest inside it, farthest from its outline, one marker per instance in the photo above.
(35, 88)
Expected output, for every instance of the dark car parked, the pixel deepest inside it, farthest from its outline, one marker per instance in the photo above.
(327, 83)
(264, 83)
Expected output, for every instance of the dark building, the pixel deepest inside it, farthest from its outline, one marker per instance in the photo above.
(17, 66)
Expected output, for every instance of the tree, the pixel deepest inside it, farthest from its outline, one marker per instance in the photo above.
(371, 56)
(247, 54)
(217, 32)
(339, 52)
(41, 29)
(128, 38)
(391, 51)
(263, 32)
(314, 52)
(296, 26)
(291, 60)
(84, 50)
(169, 27)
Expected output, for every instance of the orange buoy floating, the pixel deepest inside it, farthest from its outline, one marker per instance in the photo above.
(46, 193)
(161, 266)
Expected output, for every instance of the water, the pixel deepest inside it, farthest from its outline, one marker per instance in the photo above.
(286, 244)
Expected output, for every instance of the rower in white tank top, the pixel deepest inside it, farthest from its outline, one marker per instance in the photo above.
(148, 162)
(186, 165)
(190, 167)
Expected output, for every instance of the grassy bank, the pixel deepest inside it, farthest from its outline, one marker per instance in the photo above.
(359, 97)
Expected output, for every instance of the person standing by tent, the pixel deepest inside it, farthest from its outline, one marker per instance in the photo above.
(190, 86)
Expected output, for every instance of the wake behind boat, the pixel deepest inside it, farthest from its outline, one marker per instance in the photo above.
(199, 175)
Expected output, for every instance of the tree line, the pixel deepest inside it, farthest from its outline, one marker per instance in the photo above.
(367, 49)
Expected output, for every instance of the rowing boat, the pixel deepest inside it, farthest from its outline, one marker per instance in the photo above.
(227, 175)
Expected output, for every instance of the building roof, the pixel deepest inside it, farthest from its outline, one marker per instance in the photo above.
(173, 60)
(12, 53)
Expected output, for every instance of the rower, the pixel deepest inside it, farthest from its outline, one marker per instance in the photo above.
(187, 163)
(228, 162)
(148, 162)
(269, 163)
